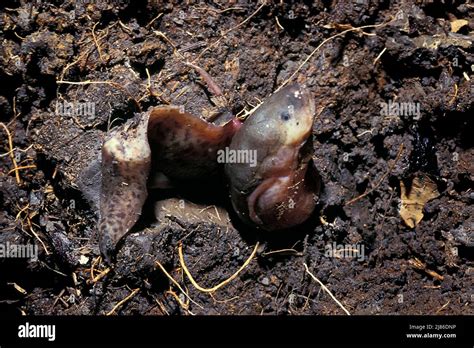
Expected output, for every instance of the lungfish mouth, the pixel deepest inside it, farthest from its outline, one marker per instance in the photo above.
(303, 109)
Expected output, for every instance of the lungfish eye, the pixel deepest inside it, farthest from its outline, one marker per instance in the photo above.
(285, 116)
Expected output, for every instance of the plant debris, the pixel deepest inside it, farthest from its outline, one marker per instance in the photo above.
(413, 200)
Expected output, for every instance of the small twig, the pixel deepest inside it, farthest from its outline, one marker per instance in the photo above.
(133, 293)
(148, 83)
(18, 36)
(220, 285)
(94, 263)
(153, 20)
(443, 306)
(325, 289)
(455, 94)
(282, 251)
(278, 23)
(110, 83)
(219, 11)
(400, 151)
(18, 288)
(183, 305)
(379, 55)
(337, 253)
(39, 239)
(177, 284)
(61, 293)
(68, 66)
(242, 115)
(192, 46)
(223, 301)
(246, 19)
(84, 54)
(15, 149)
(162, 306)
(175, 49)
(52, 269)
(20, 168)
(127, 29)
(97, 42)
(16, 114)
(215, 209)
(18, 215)
(431, 286)
(102, 274)
(12, 155)
(181, 92)
(87, 82)
(418, 264)
(29, 225)
(365, 132)
(111, 123)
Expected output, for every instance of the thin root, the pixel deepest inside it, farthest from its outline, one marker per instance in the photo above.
(324, 42)
(12, 155)
(20, 168)
(97, 42)
(455, 94)
(110, 83)
(177, 284)
(215, 43)
(325, 289)
(220, 285)
(133, 293)
(102, 274)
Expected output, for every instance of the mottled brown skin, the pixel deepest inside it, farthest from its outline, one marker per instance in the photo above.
(184, 147)
(126, 160)
(278, 193)
(180, 146)
(281, 190)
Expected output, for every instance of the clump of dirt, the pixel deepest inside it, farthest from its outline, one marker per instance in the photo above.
(393, 100)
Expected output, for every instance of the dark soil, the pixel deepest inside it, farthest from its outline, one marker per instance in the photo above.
(355, 149)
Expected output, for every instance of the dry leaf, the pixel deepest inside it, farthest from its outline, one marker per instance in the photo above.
(432, 42)
(458, 24)
(423, 189)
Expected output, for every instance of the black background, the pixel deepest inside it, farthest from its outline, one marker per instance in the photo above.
(223, 330)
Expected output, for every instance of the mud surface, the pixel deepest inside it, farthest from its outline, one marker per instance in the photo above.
(123, 57)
